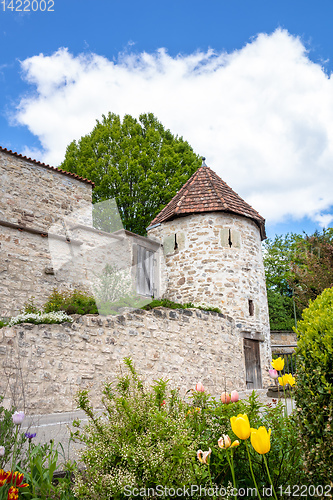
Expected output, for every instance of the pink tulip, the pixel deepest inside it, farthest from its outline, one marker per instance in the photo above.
(225, 398)
(273, 373)
(199, 387)
(234, 396)
(18, 417)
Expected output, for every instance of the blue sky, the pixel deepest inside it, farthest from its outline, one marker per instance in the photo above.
(247, 83)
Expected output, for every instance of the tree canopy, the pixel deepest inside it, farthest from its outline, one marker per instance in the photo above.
(312, 269)
(137, 162)
(298, 267)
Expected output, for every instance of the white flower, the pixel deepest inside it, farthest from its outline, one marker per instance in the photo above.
(203, 455)
(2, 451)
(40, 318)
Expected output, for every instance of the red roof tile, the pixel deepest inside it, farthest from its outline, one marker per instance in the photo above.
(82, 179)
(205, 191)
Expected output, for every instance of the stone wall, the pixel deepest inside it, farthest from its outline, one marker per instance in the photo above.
(49, 363)
(26, 270)
(37, 196)
(33, 199)
(285, 339)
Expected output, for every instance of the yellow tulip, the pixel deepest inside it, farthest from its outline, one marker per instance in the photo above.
(292, 380)
(241, 426)
(287, 378)
(261, 440)
(278, 364)
(283, 380)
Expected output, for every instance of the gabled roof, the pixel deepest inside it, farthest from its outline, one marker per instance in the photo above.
(70, 174)
(205, 191)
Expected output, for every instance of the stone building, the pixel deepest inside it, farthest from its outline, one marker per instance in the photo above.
(211, 242)
(47, 238)
(204, 247)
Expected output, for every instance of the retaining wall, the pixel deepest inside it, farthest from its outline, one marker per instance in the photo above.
(44, 365)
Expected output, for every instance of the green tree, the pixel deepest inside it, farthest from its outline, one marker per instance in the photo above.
(298, 268)
(311, 270)
(138, 162)
(278, 255)
(281, 311)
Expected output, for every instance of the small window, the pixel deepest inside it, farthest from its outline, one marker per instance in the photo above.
(145, 272)
(229, 239)
(251, 307)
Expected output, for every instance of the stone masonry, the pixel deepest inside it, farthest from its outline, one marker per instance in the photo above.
(204, 247)
(184, 346)
(33, 198)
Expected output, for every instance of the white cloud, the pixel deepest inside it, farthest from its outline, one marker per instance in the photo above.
(262, 115)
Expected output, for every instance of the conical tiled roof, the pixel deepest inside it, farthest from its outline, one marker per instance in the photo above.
(205, 191)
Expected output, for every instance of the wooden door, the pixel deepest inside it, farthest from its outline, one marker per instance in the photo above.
(252, 364)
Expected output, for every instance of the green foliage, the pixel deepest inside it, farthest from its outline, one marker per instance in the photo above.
(297, 267)
(175, 305)
(139, 441)
(42, 463)
(112, 308)
(284, 458)
(314, 386)
(150, 436)
(138, 162)
(112, 283)
(8, 435)
(281, 311)
(30, 307)
(278, 253)
(71, 302)
(312, 269)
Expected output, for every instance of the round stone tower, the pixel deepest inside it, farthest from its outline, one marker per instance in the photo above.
(212, 252)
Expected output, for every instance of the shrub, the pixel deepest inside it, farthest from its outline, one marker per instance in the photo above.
(140, 442)
(29, 307)
(108, 307)
(314, 387)
(175, 305)
(149, 436)
(71, 302)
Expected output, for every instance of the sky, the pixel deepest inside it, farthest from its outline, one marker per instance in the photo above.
(246, 82)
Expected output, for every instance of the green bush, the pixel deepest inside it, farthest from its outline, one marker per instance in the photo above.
(175, 305)
(149, 436)
(139, 443)
(29, 307)
(71, 302)
(112, 307)
(314, 388)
